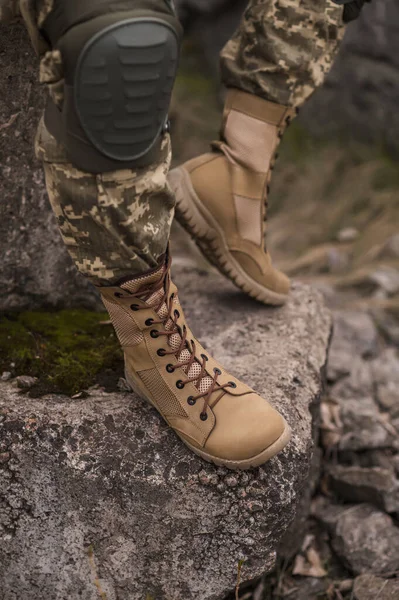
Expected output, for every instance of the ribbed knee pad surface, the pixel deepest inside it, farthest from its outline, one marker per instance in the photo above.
(123, 84)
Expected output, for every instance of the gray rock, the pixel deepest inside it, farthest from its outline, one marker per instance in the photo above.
(355, 335)
(25, 382)
(387, 278)
(376, 486)
(363, 426)
(395, 463)
(388, 325)
(337, 260)
(381, 458)
(385, 373)
(369, 587)
(388, 397)
(364, 538)
(309, 588)
(6, 376)
(345, 586)
(123, 385)
(287, 549)
(101, 488)
(391, 247)
(348, 234)
(36, 269)
(359, 382)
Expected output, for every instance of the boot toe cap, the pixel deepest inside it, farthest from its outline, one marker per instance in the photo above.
(246, 426)
(263, 272)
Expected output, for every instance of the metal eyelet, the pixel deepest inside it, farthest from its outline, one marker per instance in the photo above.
(191, 400)
(154, 334)
(118, 295)
(232, 384)
(204, 356)
(179, 384)
(161, 352)
(217, 371)
(149, 322)
(134, 307)
(170, 368)
(177, 314)
(203, 416)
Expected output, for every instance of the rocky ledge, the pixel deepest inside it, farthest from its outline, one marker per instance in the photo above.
(98, 498)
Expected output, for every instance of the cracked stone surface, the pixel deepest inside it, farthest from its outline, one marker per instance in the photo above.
(33, 274)
(98, 494)
(372, 485)
(364, 538)
(369, 587)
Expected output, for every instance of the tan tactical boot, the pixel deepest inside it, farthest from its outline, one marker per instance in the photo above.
(222, 196)
(217, 417)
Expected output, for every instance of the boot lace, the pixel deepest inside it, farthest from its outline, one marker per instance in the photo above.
(171, 327)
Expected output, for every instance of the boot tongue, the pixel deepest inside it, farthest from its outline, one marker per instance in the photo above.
(148, 281)
(143, 281)
(153, 299)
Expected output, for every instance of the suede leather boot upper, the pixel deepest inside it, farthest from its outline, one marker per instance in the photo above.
(217, 416)
(221, 196)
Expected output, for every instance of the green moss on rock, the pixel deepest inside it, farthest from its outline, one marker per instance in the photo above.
(68, 351)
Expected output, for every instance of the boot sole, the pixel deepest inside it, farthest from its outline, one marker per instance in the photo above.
(242, 465)
(209, 237)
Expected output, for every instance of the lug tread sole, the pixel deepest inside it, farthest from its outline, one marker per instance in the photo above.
(209, 238)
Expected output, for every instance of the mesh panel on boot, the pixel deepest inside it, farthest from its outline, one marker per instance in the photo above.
(166, 401)
(174, 340)
(135, 284)
(195, 368)
(127, 331)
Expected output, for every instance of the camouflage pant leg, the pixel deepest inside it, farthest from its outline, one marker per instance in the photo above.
(283, 49)
(115, 224)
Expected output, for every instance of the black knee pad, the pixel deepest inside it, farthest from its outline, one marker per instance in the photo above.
(352, 8)
(120, 69)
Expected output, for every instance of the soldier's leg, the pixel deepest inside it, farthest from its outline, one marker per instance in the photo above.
(283, 49)
(280, 53)
(109, 77)
(114, 224)
(103, 140)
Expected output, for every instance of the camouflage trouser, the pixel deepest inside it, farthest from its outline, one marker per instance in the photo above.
(115, 224)
(118, 224)
(283, 49)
